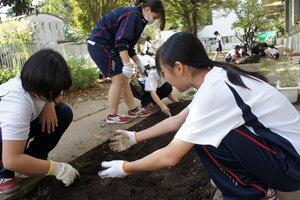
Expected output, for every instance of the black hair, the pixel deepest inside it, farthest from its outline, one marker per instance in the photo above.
(255, 50)
(156, 6)
(216, 33)
(46, 74)
(148, 38)
(264, 45)
(188, 49)
(237, 47)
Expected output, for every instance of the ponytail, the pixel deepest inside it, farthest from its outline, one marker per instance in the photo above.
(156, 6)
(188, 49)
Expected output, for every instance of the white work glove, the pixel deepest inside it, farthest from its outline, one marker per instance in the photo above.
(122, 140)
(63, 171)
(140, 67)
(126, 70)
(115, 169)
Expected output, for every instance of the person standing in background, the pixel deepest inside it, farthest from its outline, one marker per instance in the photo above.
(111, 46)
(219, 43)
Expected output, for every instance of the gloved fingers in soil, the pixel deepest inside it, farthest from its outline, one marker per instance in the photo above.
(63, 172)
(115, 169)
(120, 144)
(122, 140)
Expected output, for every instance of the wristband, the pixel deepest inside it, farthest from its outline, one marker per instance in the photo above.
(50, 168)
(123, 168)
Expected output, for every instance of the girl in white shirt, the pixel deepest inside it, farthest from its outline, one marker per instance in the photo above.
(246, 133)
(31, 108)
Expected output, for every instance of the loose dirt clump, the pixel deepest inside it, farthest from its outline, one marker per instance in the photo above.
(186, 180)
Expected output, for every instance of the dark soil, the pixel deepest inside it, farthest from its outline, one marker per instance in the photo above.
(187, 180)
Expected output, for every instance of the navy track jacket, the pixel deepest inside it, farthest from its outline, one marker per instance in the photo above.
(121, 29)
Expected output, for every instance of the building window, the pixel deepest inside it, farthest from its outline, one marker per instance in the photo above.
(49, 25)
(42, 25)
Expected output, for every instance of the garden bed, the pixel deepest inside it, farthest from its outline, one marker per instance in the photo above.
(187, 180)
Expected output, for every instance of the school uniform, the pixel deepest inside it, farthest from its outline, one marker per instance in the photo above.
(248, 140)
(19, 120)
(273, 52)
(231, 53)
(148, 48)
(218, 44)
(117, 31)
(152, 82)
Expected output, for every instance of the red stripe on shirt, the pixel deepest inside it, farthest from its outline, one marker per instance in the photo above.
(103, 30)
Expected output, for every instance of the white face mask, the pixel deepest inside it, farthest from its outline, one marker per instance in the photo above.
(149, 19)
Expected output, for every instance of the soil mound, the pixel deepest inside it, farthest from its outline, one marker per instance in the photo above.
(187, 180)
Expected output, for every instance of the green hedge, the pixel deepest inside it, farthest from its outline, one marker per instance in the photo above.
(6, 74)
(84, 75)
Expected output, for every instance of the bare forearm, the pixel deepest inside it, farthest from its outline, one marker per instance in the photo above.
(156, 99)
(168, 125)
(157, 160)
(162, 158)
(27, 164)
(125, 57)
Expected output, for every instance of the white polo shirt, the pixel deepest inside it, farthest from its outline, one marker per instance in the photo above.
(214, 110)
(17, 110)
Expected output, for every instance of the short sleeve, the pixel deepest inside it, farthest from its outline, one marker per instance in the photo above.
(151, 82)
(210, 119)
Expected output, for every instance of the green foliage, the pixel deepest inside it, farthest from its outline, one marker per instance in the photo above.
(6, 74)
(267, 66)
(298, 18)
(191, 15)
(288, 76)
(19, 7)
(16, 32)
(84, 75)
(88, 13)
(251, 18)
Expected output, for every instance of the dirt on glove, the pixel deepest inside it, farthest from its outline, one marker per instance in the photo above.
(186, 180)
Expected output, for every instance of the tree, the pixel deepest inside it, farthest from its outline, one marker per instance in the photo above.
(19, 7)
(193, 13)
(88, 13)
(251, 18)
(16, 32)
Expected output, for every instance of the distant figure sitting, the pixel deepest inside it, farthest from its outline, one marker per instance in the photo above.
(233, 55)
(270, 51)
(254, 58)
(244, 51)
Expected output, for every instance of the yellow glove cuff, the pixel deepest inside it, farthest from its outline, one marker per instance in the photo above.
(50, 168)
(135, 138)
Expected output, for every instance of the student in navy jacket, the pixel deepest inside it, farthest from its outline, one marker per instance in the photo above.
(111, 46)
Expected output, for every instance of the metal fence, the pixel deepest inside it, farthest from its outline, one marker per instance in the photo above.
(13, 57)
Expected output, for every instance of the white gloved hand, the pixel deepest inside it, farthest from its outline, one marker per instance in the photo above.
(140, 67)
(126, 70)
(63, 171)
(115, 169)
(122, 140)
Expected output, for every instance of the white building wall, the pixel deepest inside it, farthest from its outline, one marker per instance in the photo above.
(224, 26)
(48, 28)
